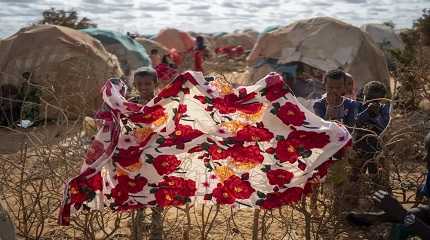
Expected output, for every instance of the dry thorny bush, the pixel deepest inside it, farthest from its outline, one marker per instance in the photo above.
(31, 188)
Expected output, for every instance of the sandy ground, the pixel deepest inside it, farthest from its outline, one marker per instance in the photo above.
(13, 139)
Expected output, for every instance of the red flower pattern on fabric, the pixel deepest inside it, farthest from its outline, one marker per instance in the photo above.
(181, 135)
(95, 151)
(223, 195)
(184, 187)
(231, 103)
(125, 186)
(279, 177)
(182, 108)
(290, 114)
(165, 164)
(132, 107)
(173, 89)
(127, 157)
(275, 87)
(167, 197)
(252, 134)
(217, 153)
(250, 154)
(286, 151)
(238, 188)
(309, 140)
(174, 191)
(273, 200)
(149, 115)
(292, 195)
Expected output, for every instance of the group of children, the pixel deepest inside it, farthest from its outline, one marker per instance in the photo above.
(366, 118)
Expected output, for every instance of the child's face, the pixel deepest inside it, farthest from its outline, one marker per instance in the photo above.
(145, 86)
(335, 88)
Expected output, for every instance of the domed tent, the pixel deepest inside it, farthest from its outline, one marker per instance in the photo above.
(384, 36)
(130, 53)
(149, 44)
(173, 38)
(245, 39)
(251, 32)
(323, 44)
(67, 65)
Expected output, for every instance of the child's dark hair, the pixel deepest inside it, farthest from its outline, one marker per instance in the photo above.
(374, 89)
(336, 74)
(154, 51)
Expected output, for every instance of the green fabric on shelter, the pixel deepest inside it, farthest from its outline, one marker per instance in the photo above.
(270, 28)
(220, 34)
(107, 37)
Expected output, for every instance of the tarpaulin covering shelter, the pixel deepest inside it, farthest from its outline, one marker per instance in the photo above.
(244, 39)
(323, 43)
(149, 44)
(384, 36)
(130, 53)
(67, 65)
(173, 38)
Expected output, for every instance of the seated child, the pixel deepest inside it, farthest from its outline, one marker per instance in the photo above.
(334, 106)
(373, 118)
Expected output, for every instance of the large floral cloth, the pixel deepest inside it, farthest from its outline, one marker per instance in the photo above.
(201, 140)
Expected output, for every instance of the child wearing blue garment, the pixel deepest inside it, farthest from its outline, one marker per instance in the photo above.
(372, 118)
(334, 106)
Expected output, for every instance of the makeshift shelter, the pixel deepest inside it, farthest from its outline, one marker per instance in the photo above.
(149, 44)
(173, 38)
(244, 39)
(384, 36)
(321, 43)
(129, 52)
(67, 66)
(251, 32)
